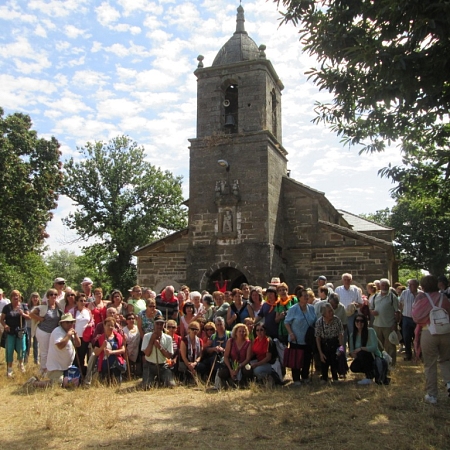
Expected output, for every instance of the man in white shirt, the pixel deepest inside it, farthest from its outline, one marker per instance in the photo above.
(61, 351)
(349, 294)
(157, 347)
(408, 325)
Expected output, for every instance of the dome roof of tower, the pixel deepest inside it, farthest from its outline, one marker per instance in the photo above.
(240, 47)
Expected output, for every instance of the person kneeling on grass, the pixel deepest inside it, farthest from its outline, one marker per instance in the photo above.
(158, 349)
(364, 348)
(61, 352)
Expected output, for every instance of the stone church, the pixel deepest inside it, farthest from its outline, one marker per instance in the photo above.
(248, 220)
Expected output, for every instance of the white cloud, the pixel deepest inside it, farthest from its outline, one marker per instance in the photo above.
(122, 51)
(106, 14)
(13, 12)
(58, 8)
(73, 32)
(68, 103)
(40, 31)
(117, 107)
(84, 78)
(139, 6)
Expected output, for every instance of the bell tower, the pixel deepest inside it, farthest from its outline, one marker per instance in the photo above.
(237, 163)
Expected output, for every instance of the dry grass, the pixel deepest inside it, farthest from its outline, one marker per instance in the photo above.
(319, 417)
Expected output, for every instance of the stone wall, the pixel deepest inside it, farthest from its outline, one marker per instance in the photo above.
(163, 262)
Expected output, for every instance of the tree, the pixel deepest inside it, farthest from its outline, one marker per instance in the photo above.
(31, 178)
(382, 217)
(387, 64)
(28, 274)
(422, 234)
(122, 200)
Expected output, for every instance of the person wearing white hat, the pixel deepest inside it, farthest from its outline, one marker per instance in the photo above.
(59, 284)
(349, 293)
(86, 285)
(61, 351)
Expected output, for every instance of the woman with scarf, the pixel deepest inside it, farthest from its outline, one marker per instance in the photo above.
(298, 320)
(109, 349)
(268, 312)
(285, 302)
(191, 351)
(330, 340)
(238, 353)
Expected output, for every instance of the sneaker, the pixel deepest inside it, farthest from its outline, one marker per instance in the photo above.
(365, 381)
(430, 399)
(297, 383)
(9, 373)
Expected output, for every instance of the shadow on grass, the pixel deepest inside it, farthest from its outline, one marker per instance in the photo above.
(319, 417)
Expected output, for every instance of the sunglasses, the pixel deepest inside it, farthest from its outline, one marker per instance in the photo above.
(171, 326)
(52, 295)
(194, 329)
(359, 321)
(131, 318)
(209, 329)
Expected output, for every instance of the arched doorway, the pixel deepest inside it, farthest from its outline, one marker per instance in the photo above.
(234, 278)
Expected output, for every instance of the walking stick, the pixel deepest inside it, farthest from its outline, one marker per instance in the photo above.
(77, 357)
(128, 363)
(157, 364)
(211, 371)
(107, 362)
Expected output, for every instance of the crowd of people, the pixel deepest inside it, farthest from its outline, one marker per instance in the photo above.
(228, 338)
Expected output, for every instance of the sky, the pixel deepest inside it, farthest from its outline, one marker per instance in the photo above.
(89, 71)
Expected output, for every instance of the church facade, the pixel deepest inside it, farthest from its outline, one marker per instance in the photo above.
(248, 220)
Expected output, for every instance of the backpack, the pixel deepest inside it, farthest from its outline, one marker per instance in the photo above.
(439, 318)
(72, 377)
(380, 367)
